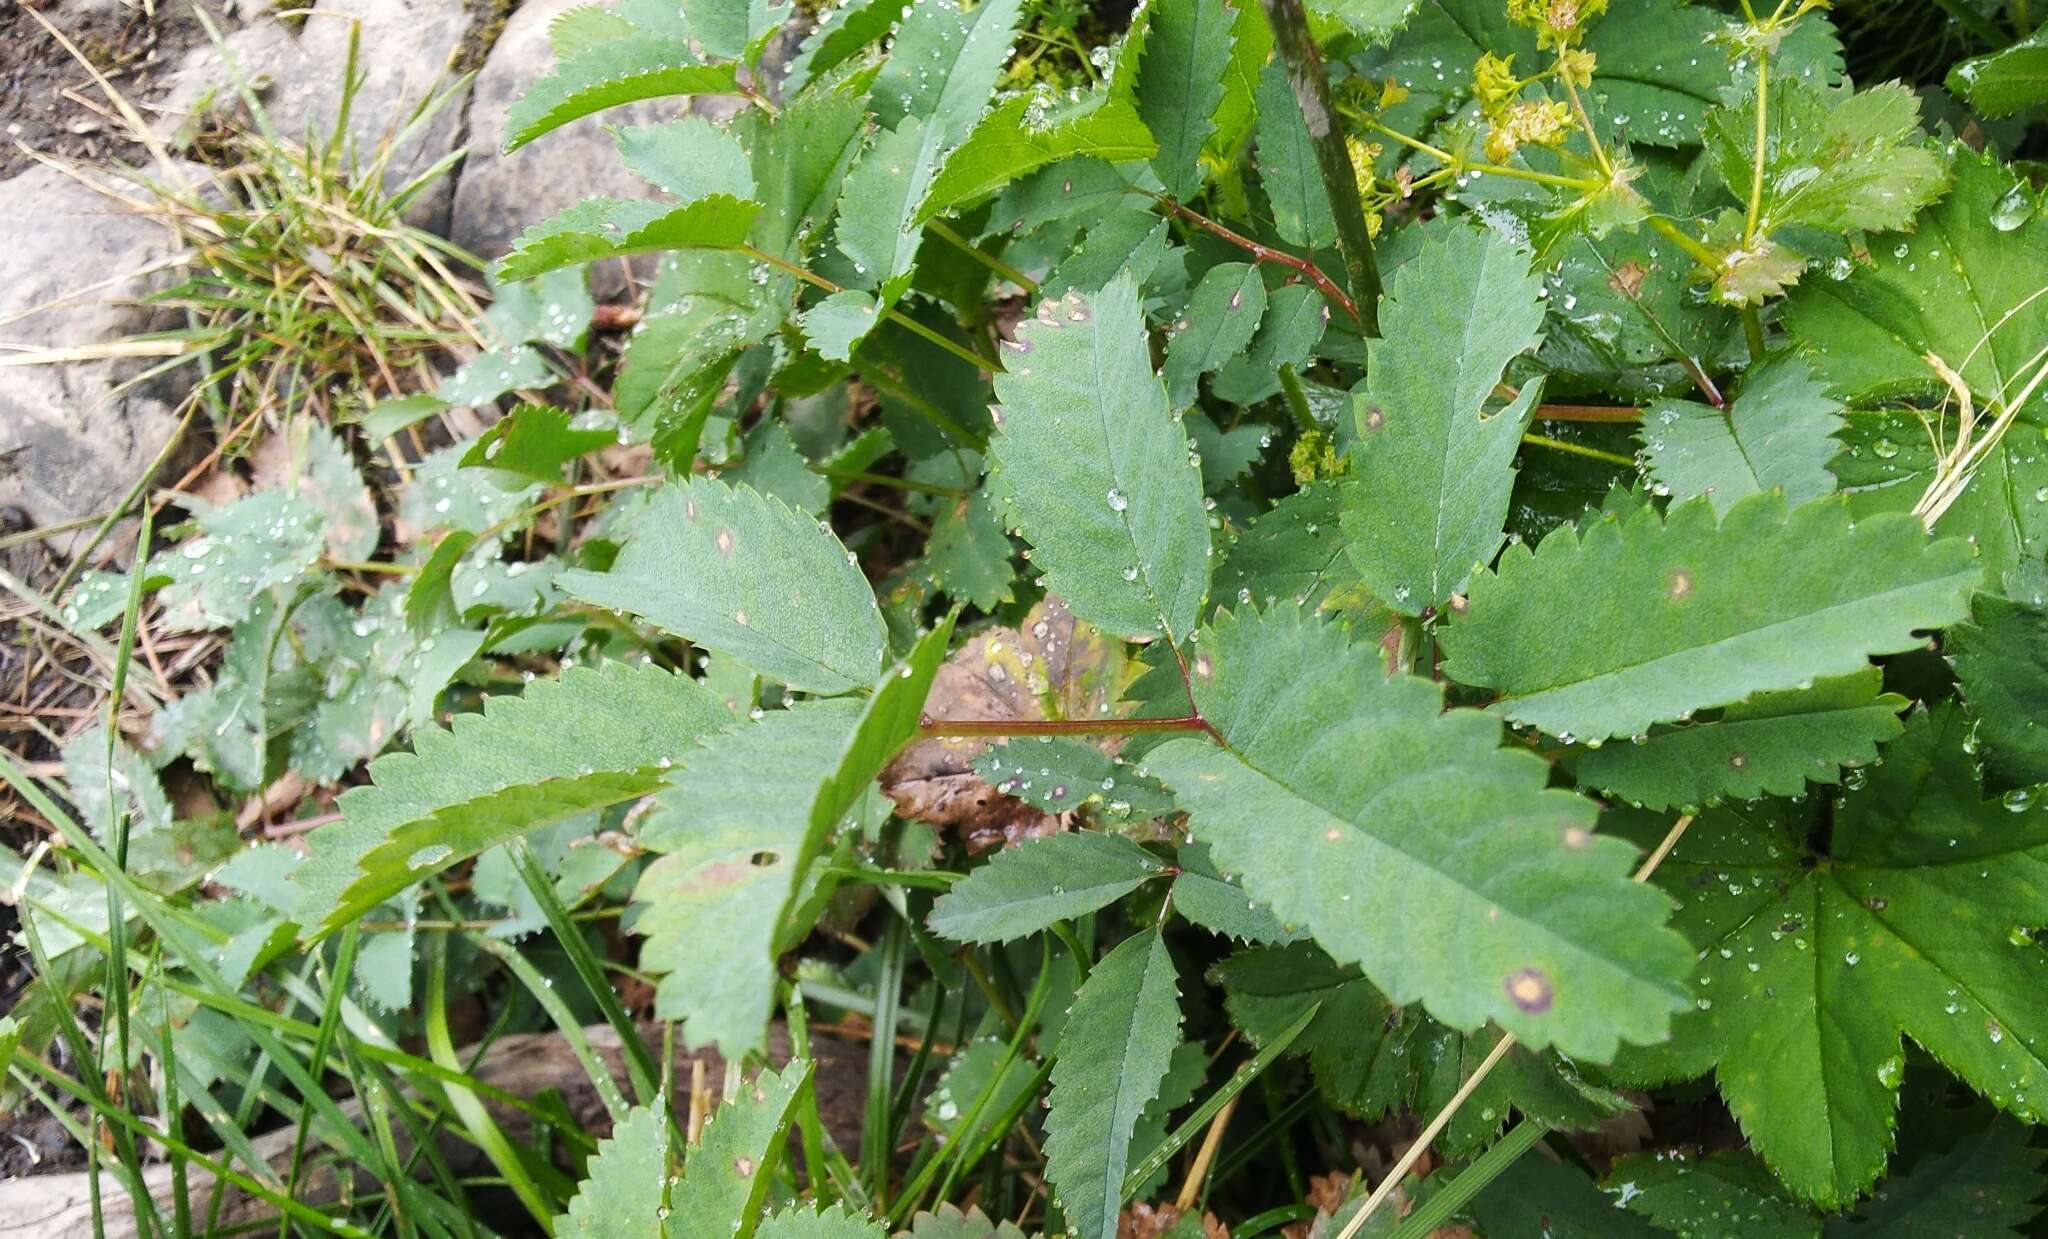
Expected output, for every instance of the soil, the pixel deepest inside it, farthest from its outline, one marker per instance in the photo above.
(41, 83)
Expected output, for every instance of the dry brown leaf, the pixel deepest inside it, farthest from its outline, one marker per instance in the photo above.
(1142, 1221)
(1055, 667)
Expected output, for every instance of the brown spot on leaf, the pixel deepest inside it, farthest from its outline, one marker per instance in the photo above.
(725, 542)
(1576, 837)
(1375, 418)
(743, 1167)
(1628, 278)
(1738, 759)
(1530, 990)
(1680, 586)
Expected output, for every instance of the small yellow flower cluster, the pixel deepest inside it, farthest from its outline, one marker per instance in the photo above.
(1512, 122)
(1558, 23)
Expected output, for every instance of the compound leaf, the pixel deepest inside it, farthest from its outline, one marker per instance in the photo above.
(1113, 1053)
(615, 228)
(597, 736)
(1836, 162)
(1770, 744)
(1407, 840)
(1029, 887)
(747, 575)
(1094, 470)
(1642, 619)
(605, 75)
(1431, 470)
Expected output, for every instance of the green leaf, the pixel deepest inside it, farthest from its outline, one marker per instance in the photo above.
(690, 158)
(319, 469)
(735, 29)
(1771, 744)
(1989, 1184)
(430, 601)
(1007, 144)
(1372, 1059)
(744, 574)
(235, 555)
(1776, 435)
(604, 75)
(226, 727)
(840, 34)
(1060, 774)
(1727, 1194)
(839, 323)
(1810, 968)
(1035, 884)
(1113, 1053)
(596, 736)
(625, 1181)
(1853, 161)
(812, 1222)
(949, 1223)
(1643, 620)
(1287, 165)
(1962, 285)
(1294, 551)
(1431, 470)
(554, 309)
(943, 67)
(726, 1178)
(2006, 81)
(801, 155)
(969, 555)
(1371, 20)
(597, 228)
(1093, 468)
(1407, 840)
(533, 442)
(1221, 317)
(1181, 83)
(2001, 659)
(1204, 896)
(1541, 1198)
(731, 828)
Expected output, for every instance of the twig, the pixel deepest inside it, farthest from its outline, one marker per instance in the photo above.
(1297, 51)
(1266, 253)
(1191, 1187)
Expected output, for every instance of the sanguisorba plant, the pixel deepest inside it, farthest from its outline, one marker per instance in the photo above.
(1607, 656)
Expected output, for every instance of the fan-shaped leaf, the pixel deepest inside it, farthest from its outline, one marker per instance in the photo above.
(624, 1182)
(1776, 435)
(726, 1178)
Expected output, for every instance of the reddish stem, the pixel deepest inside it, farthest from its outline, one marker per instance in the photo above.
(946, 727)
(1265, 253)
(1587, 413)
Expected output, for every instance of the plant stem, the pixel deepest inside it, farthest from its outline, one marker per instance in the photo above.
(954, 727)
(1576, 449)
(947, 233)
(1692, 247)
(1265, 253)
(1303, 61)
(1297, 401)
(1753, 332)
(894, 315)
(1763, 137)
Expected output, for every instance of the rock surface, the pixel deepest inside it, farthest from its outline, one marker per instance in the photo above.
(75, 436)
(500, 195)
(406, 51)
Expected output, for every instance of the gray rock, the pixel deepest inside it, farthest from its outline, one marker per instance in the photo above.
(75, 436)
(500, 195)
(405, 52)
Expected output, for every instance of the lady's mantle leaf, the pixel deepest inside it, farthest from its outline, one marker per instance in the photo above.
(597, 736)
(1407, 840)
(1028, 887)
(1642, 620)
(1770, 744)
(1431, 470)
(815, 1223)
(745, 574)
(1810, 968)
(624, 1182)
(2001, 657)
(1094, 468)
(1854, 162)
(1777, 435)
(1113, 1053)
